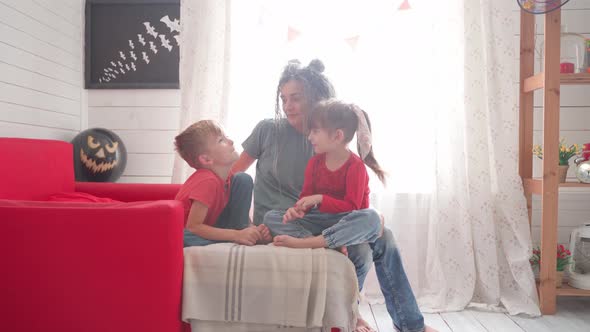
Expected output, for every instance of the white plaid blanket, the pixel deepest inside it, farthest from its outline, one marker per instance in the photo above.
(269, 285)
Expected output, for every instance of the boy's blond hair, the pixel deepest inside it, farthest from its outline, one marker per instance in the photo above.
(193, 141)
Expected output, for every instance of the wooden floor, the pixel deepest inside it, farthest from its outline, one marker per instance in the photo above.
(573, 315)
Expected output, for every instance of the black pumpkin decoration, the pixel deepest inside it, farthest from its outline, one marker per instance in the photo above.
(99, 155)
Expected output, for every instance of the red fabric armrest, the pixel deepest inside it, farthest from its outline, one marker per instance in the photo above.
(129, 192)
(91, 266)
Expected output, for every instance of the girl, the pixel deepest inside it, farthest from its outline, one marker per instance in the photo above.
(333, 208)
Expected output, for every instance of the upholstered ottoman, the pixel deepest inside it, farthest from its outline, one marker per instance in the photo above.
(263, 288)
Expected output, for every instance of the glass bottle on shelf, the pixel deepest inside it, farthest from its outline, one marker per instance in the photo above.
(572, 57)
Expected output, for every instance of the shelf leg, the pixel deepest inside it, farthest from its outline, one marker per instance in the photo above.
(550, 191)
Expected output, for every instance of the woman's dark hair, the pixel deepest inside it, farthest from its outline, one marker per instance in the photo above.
(316, 86)
(332, 115)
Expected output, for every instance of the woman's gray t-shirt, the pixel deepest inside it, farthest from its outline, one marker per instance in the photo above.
(282, 154)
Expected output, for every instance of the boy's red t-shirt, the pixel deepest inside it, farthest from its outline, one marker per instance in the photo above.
(208, 188)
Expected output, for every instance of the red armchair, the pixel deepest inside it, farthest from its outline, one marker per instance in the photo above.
(84, 266)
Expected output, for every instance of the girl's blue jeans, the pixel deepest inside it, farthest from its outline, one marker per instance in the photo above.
(339, 230)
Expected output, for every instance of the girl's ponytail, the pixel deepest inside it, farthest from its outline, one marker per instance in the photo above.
(369, 159)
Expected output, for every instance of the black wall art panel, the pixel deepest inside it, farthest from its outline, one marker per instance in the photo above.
(132, 44)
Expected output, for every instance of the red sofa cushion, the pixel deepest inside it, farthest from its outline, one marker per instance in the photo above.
(129, 192)
(33, 169)
(79, 197)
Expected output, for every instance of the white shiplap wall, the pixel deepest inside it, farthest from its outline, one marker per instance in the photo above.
(574, 207)
(146, 121)
(41, 90)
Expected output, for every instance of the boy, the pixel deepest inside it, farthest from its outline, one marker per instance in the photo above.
(216, 206)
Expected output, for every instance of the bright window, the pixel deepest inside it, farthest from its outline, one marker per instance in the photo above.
(390, 62)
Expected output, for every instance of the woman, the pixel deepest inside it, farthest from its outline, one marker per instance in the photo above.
(281, 147)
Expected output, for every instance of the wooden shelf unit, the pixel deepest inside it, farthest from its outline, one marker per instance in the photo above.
(548, 185)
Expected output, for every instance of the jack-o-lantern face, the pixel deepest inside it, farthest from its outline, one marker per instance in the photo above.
(100, 155)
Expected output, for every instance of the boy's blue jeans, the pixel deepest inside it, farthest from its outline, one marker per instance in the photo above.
(339, 230)
(235, 215)
(399, 298)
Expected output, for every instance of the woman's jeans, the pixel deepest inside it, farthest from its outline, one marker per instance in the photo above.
(348, 230)
(399, 298)
(235, 215)
(339, 229)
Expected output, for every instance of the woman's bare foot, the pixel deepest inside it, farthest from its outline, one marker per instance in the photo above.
(265, 233)
(363, 326)
(293, 242)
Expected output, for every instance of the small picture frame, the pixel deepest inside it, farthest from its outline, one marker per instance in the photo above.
(132, 44)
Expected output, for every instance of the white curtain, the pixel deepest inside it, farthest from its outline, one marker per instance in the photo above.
(439, 83)
(466, 241)
(204, 67)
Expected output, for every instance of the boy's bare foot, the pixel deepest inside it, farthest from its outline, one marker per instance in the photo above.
(264, 233)
(363, 326)
(293, 242)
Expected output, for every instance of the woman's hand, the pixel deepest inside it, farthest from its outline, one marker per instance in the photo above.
(292, 214)
(309, 202)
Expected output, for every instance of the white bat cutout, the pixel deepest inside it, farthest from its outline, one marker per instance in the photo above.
(133, 66)
(122, 55)
(132, 55)
(145, 57)
(127, 67)
(113, 64)
(153, 47)
(177, 37)
(140, 39)
(150, 30)
(172, 25)
(120, 64)
(131, 44)
(165, 43)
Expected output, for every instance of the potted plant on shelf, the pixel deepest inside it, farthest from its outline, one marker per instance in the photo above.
(563, 259)
(565, 154)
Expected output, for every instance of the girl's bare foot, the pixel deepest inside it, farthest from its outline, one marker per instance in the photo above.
(363, 326)
(293, 242)
(265, 233)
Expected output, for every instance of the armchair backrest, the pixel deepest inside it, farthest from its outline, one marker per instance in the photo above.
(33, 169)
